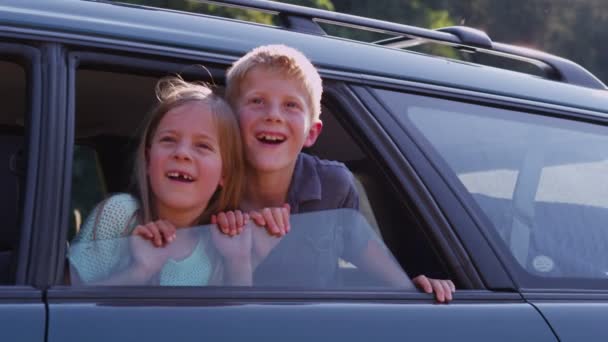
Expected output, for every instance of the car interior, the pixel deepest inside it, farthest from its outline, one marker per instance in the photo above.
(12, 169)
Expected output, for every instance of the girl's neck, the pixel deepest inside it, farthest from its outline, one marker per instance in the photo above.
(265, 189)
(180, 219)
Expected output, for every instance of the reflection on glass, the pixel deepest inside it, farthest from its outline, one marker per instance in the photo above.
(541, 181)
(311, 255)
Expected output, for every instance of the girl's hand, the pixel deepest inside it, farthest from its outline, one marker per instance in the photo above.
(443, 288)
(275, 220)
(159, 233)
(231, 222)
(148, 258)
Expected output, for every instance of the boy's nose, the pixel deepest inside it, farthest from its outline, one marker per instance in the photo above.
(274, 113)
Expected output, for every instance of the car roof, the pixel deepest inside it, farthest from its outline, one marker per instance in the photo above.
(231, 39)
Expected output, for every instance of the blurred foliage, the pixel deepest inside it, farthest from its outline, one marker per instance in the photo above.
(574, 29)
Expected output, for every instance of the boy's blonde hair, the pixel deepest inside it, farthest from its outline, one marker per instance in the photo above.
(288, 61)
(173, 92)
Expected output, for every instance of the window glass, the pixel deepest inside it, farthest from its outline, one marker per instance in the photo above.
(12, 169)
(542, 181)
(320, 252)
(326, 250)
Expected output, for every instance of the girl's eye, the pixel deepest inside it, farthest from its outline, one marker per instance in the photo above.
(255, 100)
(167, 139)
(204, 146)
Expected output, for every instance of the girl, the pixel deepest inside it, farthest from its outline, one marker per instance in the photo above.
(188, 166)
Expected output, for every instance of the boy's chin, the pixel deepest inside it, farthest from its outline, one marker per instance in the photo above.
(271, 164)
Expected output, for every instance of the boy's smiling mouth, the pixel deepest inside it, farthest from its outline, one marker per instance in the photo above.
(270, 138)
(180, 176)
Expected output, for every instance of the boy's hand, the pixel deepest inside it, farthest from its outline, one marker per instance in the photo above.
(443, 289)
(230, 222)
(159, 233)
(275, 220)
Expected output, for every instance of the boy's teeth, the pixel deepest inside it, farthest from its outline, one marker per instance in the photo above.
(270, 137)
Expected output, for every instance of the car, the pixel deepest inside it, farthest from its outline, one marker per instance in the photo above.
(492, 177)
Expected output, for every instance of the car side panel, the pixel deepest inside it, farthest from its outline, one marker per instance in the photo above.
(22, 315)
(296, 322)
(576, 319)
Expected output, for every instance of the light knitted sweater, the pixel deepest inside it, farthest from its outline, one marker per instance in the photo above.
(101, 248)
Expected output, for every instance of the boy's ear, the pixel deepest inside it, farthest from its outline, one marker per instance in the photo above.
(313, 133)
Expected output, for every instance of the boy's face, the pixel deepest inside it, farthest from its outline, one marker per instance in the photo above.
(275, 119)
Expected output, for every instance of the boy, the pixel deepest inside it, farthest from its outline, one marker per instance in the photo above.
(276, 93)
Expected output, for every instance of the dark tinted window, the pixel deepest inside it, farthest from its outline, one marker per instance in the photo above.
(12, 163)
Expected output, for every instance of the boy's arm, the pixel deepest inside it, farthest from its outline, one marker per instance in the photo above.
(375, 260)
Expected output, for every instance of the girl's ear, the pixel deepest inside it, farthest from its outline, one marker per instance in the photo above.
(220, 184)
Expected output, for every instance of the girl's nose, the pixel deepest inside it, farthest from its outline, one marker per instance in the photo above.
(182, 151)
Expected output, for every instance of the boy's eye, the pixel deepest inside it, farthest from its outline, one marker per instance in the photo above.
(292, 104)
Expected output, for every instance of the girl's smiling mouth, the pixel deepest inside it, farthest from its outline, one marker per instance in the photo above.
(180, 176)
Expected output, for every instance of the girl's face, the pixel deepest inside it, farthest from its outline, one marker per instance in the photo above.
(184, 162)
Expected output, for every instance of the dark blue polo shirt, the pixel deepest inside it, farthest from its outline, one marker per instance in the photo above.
(308, 255)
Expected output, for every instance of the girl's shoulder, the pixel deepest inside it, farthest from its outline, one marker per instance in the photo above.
(114, 217)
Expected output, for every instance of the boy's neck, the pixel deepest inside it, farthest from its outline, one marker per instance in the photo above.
(266, 189)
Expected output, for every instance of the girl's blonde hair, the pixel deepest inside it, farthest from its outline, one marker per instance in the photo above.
(173, 92)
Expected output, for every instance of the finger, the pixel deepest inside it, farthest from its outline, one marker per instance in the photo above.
(156, 238)
(278, 219)
(438, 289)
(167, 231)
(213, 219)
(143, 232)
(246, 218)
(446, 290)
(452, 286)
(223, 224)
(231, 222)
(423, 283)
(271, 225)
(240, 218)
(257, 218)
(285, 212)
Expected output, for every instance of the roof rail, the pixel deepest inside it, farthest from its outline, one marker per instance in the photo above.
(305, 19)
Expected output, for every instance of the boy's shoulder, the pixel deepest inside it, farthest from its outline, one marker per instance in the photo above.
(309, 165)
(319, 184)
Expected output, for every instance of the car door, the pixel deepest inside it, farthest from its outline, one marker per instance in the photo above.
(22, 312)
(536, 181)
